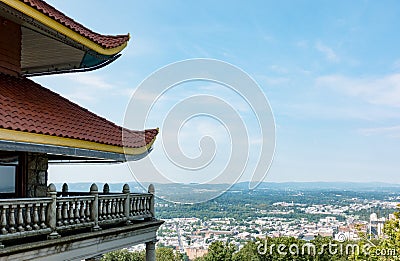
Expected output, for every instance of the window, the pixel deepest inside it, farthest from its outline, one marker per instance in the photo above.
(8, 171)
(7, 178)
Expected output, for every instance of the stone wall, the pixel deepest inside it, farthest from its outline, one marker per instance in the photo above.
(37, 165)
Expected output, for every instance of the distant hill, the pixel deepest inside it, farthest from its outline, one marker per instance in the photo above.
(114, 187)
(176, 188)
(7, 189)
(353, 186)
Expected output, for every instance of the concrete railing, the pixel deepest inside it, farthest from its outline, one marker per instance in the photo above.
(52, 215)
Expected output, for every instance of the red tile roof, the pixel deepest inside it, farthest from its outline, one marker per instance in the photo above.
(27, 106)
(106, 41)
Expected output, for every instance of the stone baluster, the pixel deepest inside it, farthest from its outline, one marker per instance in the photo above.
(113, 202)
(139, 205)
(28, 217)
(36, 216)
(136, 205)
(127, 202)
(59, 214)
(65, 213)
(4, 220)
(106, 189)
(103, 210)
(109, 203)
(20, 219)
(95, 207)
(104, 214)
(64, 191)
(100, 208)
(132, 206)
(121, 207)
(152, 191)
(117, 203)
(77, 209)
(71, 212)
(82, 211)
(149, 205)
(52, 211)
(43, 215)
(87, 210)
(142, 199)
(12, 219)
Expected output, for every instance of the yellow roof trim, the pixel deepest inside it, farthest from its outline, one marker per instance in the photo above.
(20, 136)
(44, 19)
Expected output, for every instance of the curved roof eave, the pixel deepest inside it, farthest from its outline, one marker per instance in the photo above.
(48, 140)
(118, 43)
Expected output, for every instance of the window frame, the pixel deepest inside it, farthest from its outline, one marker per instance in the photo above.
(16, 168)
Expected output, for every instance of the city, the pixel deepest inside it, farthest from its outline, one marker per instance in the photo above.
(345, 215)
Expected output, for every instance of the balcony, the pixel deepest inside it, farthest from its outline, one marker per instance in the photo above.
(75, 225)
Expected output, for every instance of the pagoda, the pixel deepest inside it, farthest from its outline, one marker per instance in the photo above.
(39, 127)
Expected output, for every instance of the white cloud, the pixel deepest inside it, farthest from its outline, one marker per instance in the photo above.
(392, 131)
(275, 80)
(328, 52)
(278, 69)
(301, 44)
(268, 38)
(141, 47)
(396, 65)
(90, 80)
(82, 88)
(375, 90)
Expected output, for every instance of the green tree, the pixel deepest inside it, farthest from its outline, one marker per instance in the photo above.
(219, 251)
(247, 253)
(162, 254)
(124, 255)
(391, 243)
(168, 254)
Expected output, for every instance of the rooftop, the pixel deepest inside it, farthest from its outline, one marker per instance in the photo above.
(50, 42)
(32, 113)
(106, 41)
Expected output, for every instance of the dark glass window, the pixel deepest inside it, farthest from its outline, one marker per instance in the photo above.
(8, 172)
(7, 178)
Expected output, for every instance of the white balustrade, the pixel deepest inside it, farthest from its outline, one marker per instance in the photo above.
(74, 212)
(21, 218)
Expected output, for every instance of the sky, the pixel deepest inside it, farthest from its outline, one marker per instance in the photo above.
(330, 71)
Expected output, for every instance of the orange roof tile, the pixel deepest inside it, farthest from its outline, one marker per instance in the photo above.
(106, 41)
(27, 106)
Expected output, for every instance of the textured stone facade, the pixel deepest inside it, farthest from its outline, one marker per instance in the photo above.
(37, 165)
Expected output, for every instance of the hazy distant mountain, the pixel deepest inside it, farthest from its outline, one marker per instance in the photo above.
(7, 189)
(114, 187)
(321, 185)
(242, 186)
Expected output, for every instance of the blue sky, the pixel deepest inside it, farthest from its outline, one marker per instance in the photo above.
(330, 69)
